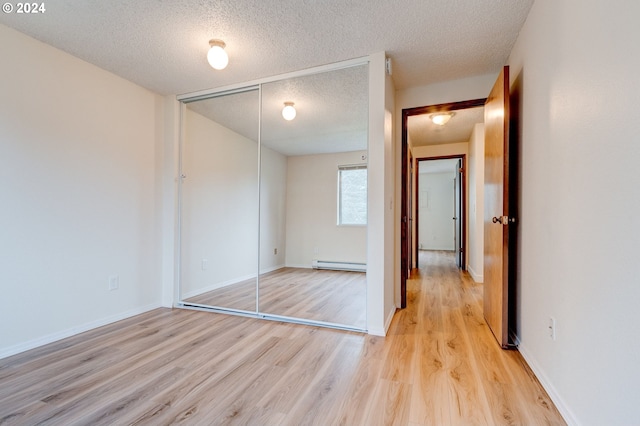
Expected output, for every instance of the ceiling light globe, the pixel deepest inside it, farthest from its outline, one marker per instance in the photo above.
(217, 57)
(288, 112)
(442, 118)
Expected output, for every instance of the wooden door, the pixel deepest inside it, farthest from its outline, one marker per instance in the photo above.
(496, 205)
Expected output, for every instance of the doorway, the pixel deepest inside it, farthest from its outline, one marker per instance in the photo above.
(414, 144)
(440, 207)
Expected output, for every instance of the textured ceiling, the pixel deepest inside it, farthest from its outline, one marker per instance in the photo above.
(162, 44)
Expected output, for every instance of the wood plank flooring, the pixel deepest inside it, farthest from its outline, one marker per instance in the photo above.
(311, 294)
(439, 365)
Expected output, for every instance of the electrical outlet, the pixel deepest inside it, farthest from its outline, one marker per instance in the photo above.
(204, 264)
(552, 328)
(114, 282)
(275, 251)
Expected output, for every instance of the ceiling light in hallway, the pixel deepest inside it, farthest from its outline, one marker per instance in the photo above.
(441, 118)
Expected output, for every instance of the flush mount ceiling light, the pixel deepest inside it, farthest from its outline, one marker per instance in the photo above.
(441, 118)
(217, 57)
(288, 112)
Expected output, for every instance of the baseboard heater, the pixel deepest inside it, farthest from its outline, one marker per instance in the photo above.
(339, 266)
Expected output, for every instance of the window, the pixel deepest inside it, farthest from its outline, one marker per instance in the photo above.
(352, 195)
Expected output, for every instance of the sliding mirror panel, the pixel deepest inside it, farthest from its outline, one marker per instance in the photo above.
(313, 198)
(219, 202)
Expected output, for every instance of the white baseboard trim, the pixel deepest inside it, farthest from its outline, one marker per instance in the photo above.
(476, 277)
(50, 338)
(564, 409)
(387, 322)
(377, 331)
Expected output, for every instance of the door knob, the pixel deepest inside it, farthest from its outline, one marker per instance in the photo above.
(505, 220)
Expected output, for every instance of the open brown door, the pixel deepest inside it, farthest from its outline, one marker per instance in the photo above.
(496, 209)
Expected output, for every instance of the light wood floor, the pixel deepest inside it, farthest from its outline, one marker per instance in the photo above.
(330, 296)
(439, 365)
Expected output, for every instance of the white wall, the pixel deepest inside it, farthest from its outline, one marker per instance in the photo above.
(390, 198)
(435, 211)
(382, 271)
(312, 231)
(170, 169)
(79, 153)
(475, 260)
(576, 65)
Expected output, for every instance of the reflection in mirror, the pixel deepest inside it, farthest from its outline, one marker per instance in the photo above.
(313, 198)
(219, 202)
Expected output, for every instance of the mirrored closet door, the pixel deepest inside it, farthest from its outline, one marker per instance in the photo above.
(273, 214)
(219, 202)
(313, 229)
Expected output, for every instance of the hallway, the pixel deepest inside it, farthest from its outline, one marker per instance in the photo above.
(459, 373)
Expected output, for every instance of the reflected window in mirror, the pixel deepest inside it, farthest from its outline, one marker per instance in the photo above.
(352, 195)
